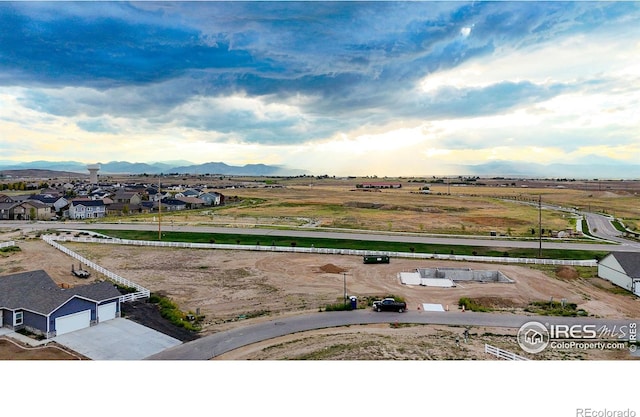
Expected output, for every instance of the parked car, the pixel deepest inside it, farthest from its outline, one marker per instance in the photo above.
(389, 304)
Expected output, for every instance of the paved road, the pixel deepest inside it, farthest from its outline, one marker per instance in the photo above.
(219, 343)
(601, 226)
(355, 235)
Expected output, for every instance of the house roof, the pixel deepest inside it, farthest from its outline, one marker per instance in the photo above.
(9, 206)
(35, 203)
(44, 199)
(122, 193)
(172, 202)
(191, 200)
(629, 261)
(87, 203)
(5, 198)
(36, 291)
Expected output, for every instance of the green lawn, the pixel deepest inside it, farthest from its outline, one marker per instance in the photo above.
(263, 240)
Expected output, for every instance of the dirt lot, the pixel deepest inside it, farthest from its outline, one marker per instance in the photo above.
(12, 350)
(230, 288)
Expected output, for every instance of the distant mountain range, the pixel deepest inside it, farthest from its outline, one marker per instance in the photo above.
(600, 169)
(594, 167)
(172, 167)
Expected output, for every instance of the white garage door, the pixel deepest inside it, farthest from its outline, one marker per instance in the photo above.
(107, 312)
(73, 322)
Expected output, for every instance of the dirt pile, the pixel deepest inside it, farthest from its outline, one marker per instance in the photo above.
(567, 272)
(332, 269)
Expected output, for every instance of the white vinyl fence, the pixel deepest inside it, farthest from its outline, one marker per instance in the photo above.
(503, 354)
(270, 248)
(141, 291)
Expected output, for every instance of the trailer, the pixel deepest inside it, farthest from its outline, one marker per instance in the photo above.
(80, 273)
(376, 259)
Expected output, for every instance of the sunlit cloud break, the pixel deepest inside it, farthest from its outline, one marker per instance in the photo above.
(342, 88)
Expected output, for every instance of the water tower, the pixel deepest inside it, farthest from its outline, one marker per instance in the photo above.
(93, 173)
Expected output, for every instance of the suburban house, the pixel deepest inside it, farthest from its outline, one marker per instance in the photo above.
(57, 202)
(212, 198)
(6, 210)
(187, 193)
(6, 206)
(33, 301)
(622, 269)
(34, 210)
(87, 209)
(127, 197)
(171, 204)
(191, 202)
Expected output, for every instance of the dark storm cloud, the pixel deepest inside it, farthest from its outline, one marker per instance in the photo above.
(354, 61)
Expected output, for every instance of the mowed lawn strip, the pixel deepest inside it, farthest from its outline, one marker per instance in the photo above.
(263, 240)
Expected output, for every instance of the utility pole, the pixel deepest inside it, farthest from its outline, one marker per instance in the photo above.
(540, 226)
(344, 280)
(159, 209)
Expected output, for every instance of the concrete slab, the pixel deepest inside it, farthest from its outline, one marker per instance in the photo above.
(117, 339)
(437, 282)
(4, 331)
(409, 278)
(432, 307)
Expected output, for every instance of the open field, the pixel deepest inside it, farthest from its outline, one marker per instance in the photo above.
(506, 207)
(231, 288)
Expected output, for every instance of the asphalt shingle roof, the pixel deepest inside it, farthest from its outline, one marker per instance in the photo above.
(629, 261)
(36, 291)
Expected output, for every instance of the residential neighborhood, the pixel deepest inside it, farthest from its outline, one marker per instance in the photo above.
(79, 201)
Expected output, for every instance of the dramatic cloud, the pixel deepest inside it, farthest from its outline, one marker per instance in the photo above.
(332, 87)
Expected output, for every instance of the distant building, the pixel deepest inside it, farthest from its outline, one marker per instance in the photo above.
(379, 185)
(93, 173)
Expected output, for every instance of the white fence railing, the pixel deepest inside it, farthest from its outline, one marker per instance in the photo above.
(141, 292)
(503, 354)
(271, 248)
(7, 244)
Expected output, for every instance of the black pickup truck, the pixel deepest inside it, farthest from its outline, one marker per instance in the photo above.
(389, 304)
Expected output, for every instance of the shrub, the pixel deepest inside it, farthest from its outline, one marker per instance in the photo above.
(472, 305)
(170, 311)
(338, 307)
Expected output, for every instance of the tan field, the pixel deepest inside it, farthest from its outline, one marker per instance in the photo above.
(449, 209)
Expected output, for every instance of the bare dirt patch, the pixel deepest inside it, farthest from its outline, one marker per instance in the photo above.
(13, 350)
(567, 272)
(232, 288)
(408, 342)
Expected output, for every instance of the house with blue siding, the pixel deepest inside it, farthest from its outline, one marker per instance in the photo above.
(87, 209)
(33, 301)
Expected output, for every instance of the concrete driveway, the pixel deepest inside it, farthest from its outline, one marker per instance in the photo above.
(117, 339)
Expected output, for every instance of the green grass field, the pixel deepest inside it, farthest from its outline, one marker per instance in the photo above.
(399, 246)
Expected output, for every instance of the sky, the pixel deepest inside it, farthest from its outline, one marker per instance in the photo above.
(338, 88)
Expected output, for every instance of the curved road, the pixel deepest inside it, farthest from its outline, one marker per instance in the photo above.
(601, 226)
(216, 344)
